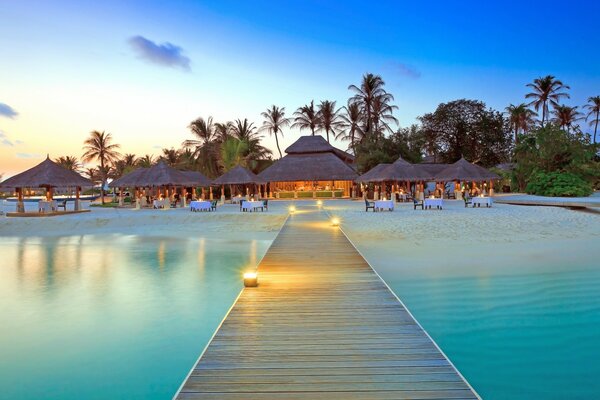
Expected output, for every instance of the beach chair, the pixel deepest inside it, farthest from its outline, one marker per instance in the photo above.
(241, 205)
(369, 204)
(418, 203)
(266, 205)
(467, 200)
(62, 204)
(213, 205)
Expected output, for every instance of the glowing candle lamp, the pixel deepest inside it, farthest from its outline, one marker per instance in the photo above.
(251, 279)
(292, 209)
(335, 222)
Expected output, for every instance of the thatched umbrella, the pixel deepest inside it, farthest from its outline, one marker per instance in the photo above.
(238, 175)
(48, 175)
(462, 170)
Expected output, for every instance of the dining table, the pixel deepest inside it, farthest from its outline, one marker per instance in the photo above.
(200, 205)
(381, 205)
(252, 205)
(480, 200)
(46, 206)
(435, 202)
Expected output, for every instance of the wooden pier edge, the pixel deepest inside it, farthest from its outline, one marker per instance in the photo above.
(413, 317)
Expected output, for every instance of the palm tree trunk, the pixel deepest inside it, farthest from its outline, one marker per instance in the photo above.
(277, 142)
(596, 127)
(327, 130)
(543, 114)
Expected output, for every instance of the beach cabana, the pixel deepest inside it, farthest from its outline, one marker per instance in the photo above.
(464, 171)
(401, 171)
(162, 177)
(48, 175)
(311, 168)
(241, 176)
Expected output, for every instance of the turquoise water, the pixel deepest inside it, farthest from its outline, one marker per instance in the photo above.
(111, 317)
(520, 321)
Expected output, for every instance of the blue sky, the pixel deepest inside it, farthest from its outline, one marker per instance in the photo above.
(144, 70)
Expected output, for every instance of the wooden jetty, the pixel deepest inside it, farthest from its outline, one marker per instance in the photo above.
(320, 325)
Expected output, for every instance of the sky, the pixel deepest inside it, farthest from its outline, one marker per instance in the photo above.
(143, 70)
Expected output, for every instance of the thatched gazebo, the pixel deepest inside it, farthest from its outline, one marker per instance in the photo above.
(48, 175)
(400, 171)
(311, 165)
(462, 171)
(162, 177)
(239, 175)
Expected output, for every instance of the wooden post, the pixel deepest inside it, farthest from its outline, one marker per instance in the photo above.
(222, 194)
(20, 204)
(491, 188)
(77, 191)
(120, 197)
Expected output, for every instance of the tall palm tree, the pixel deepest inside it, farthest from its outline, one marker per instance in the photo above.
(566, 116)
(99, 147)
(223, 131)
(593, 114)
(205, 144)
(124, 165)
(329, 118)
(521, 118)
(146, 161)
(246, 132)
(274, 120)
(374, 102)
(92, 174)
(352, 125)
(546, 90)
(69, 162)
(306, 117)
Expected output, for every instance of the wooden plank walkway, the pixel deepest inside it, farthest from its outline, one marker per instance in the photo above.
(321, 324)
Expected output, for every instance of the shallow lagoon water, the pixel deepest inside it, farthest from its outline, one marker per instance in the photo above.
(112, 316)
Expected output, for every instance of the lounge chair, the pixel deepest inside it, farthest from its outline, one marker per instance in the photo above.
(62, 204)
(418, 203)
(369, 204)
(213, 205)
(467, 200)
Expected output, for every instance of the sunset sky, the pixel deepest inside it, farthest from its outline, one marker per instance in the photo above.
(143, 70)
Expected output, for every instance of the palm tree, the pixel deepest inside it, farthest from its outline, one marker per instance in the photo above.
(566, 116)
(146, 161)
(223, 131)
(245, 131)
(374, 102)
(205, 145)
(352, 125)
(329, 118)
(99, 147)
(306, 117)
(69, 162)
(170, 156)
(521, 118)
(274, 120)
(546, 90)
(92, 174)
(125, 165)
(593, 106)
(233, 152)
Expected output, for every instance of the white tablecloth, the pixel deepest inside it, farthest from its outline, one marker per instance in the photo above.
(237, 199)
(384, 205)
(481, 201)
(433, 203)
(252, 205)
(159, 203)
(47, 206)
(200, 205)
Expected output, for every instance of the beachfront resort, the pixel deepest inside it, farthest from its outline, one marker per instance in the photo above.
(394, 241)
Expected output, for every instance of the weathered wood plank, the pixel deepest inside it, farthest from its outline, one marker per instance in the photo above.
(321, 324)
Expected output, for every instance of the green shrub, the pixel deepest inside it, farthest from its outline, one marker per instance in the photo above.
(286, 195)
(305, 194)
(555, 184)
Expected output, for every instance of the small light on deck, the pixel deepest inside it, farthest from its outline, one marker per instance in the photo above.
(250, 279)
(319, 203)
(292, 209)
(335, 221)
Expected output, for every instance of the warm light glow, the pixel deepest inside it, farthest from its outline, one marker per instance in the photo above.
(335, 221)
(250, 275)
(319, 203)
(292, 209)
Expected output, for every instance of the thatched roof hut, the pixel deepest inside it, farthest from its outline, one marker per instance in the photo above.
(374, 174)
(46, 174)
(400, 170)
(239, 176)
(311, 158)
(158, 175)
(197, 178)
(462, 170)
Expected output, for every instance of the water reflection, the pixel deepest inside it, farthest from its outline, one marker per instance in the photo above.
(131, 309)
